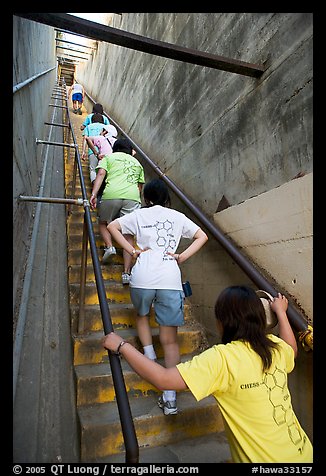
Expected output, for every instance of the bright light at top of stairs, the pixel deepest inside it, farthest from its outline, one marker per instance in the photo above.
(96, 17)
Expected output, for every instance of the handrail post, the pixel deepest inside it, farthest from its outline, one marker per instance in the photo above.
(127, 425)
(83, 270)
(74, 177)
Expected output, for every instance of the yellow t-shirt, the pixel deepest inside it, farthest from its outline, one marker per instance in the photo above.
(256, 406)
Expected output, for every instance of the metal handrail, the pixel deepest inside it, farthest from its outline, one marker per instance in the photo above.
(127, 425)
(21, 85)
(297, 320)
(126, 420)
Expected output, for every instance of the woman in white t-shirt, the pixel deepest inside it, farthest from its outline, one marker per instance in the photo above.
(156, 277)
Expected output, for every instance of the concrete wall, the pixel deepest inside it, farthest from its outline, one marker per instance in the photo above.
(275, 230)
(44, 411)
(33, 53)
(221, 137)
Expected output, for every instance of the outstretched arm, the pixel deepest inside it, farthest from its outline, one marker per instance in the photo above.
(279, 305)
(156, 374)
(96, 187)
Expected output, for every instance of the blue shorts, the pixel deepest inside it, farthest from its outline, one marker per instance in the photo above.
(168, 304)
(77, 97)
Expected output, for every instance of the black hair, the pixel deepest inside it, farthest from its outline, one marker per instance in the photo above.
(156, 193)
(96, 117)
(98, 108)
(122, 145)
(242, 315)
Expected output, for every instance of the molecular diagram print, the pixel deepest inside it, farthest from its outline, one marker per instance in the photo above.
(165, 236)
(275, 383)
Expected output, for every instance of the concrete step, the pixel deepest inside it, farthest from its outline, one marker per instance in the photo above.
(123, 316)
(212, 448)
(77, 215)
(75, 242)
(89, 350)
(115, 292)
(76, 227)
(101, 434)
(94, 382)
(69, 170)
(69, 186)
(74, 257)
(109, 272)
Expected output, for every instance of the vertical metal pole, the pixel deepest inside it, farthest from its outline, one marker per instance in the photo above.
(83, 271)
(74, 177)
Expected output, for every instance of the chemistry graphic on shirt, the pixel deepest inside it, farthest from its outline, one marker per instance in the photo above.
(159, 231)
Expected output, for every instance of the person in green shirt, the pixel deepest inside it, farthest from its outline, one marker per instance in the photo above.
(124, 179)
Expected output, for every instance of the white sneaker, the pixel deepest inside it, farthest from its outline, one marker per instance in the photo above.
(107, 253)
(125, 278)
(169, 408)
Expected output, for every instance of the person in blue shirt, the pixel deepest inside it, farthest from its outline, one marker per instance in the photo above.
(93, 129)
(97, 108)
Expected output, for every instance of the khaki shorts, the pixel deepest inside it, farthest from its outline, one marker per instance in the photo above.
(109, 210)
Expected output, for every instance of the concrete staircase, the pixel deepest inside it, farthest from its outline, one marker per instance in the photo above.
(195, 434)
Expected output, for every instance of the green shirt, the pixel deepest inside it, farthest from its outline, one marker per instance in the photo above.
(123, 174)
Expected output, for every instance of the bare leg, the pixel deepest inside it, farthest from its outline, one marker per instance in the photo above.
(144, 330)
(106, 235)
(169, 342)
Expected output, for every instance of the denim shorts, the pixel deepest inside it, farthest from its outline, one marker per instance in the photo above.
(168, 304)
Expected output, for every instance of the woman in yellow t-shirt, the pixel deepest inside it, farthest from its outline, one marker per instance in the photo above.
(246, 374)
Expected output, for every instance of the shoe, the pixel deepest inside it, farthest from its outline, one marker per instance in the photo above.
(74, 111)
(125, 278)
(79, 111)
(107, 253)
(169, 408)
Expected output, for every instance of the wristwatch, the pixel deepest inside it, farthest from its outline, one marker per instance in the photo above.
(117, 352)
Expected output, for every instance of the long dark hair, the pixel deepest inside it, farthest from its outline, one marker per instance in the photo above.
(156, 193)
(242, 315)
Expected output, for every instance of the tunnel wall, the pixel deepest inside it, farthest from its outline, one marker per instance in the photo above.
(223, 138)
(33, 53)
(44, 399)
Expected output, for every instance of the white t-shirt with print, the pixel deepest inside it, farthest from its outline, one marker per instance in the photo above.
(160, 229)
